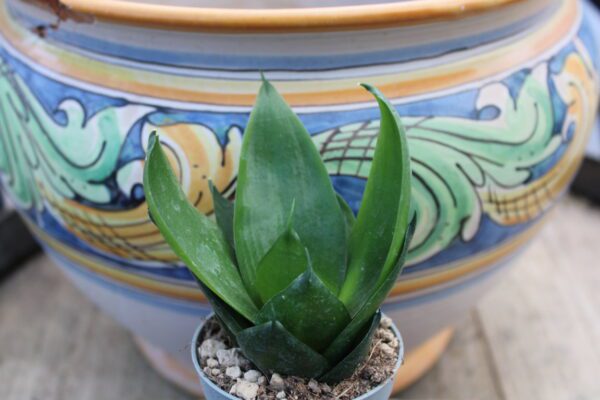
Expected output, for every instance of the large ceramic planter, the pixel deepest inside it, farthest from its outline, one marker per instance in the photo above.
(498, 98)
(213, 392)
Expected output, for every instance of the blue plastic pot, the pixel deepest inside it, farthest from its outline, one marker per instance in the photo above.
(214, 392)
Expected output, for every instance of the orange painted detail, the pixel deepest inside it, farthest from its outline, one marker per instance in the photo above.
(321, 19)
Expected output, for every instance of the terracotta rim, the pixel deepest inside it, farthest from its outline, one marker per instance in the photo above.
(284, 20)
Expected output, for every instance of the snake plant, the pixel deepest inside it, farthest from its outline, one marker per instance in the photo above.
(290, 272)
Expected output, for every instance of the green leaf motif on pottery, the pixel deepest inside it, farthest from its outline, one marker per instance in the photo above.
(68, 160)
(463, 168)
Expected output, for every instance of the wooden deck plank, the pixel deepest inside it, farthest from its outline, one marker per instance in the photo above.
(465, 370)
(543, 322)
(55, 345)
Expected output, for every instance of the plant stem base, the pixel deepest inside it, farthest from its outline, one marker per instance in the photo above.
(416, 363)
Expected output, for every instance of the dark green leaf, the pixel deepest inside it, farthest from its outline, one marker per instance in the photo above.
(192, 236)
(348, 215)
(281, 265)
(345, 368)
(224, 213)
(343, 343)
(280, 163)
(376, 237)
(308, 310)
(232, 321)
(273, 349)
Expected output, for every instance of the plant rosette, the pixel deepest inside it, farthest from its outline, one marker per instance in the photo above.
(295, 279)
(251, 383)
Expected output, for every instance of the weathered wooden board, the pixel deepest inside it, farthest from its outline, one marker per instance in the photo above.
(54, 345)
(543, 321)
(465, 371)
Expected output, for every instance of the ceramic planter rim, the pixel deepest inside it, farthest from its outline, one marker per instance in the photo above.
(309, 19)
(365, 396)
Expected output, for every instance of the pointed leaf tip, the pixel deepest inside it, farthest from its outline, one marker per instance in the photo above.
(372, 89)
(379, 96)
(366, 86)
(266, 88)
(152, 139)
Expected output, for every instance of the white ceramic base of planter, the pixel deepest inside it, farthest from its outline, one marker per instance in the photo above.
(416, 363)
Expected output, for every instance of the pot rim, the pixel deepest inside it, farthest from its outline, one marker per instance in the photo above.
(207, 381)
(312, 19)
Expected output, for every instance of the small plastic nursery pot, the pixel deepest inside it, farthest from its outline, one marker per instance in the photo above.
(214, 392)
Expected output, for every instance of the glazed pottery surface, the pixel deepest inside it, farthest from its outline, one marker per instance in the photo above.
(498, 98)
(212, 392)
(263, 4)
